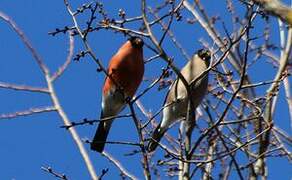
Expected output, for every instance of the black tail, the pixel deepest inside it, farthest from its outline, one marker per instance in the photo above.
(101, 134)
(156, 137)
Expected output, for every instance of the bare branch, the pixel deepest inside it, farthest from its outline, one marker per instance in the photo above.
(118, 165)
(54, 173)
(276, 8)
(28, 112)
(23, 88)
(68, 59)
(25, 40)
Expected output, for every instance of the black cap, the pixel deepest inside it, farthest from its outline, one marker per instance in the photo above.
(136, 41)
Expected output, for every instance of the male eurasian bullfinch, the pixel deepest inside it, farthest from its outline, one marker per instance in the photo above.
(176, 102)
(126, 69)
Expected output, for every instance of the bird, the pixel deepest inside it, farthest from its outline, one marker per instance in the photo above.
(176, 101)
(124, 75)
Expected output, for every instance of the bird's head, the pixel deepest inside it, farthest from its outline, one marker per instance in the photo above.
(136, 42)
(205, 54)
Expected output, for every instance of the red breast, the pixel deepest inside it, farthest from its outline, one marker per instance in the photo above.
(126, 69)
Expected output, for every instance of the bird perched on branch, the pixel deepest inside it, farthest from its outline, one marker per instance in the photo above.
(176, 102)
(125, 73)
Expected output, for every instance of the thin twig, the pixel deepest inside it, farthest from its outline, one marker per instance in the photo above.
(23, 88)
(61, 69)
(118, 165)
(28, 112)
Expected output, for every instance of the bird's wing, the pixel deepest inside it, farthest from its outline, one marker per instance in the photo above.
(113, 102)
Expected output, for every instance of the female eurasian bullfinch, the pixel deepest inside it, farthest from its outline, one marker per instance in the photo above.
(126, 69)
(176, 102)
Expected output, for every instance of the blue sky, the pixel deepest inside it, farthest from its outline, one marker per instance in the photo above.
(27, 143)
